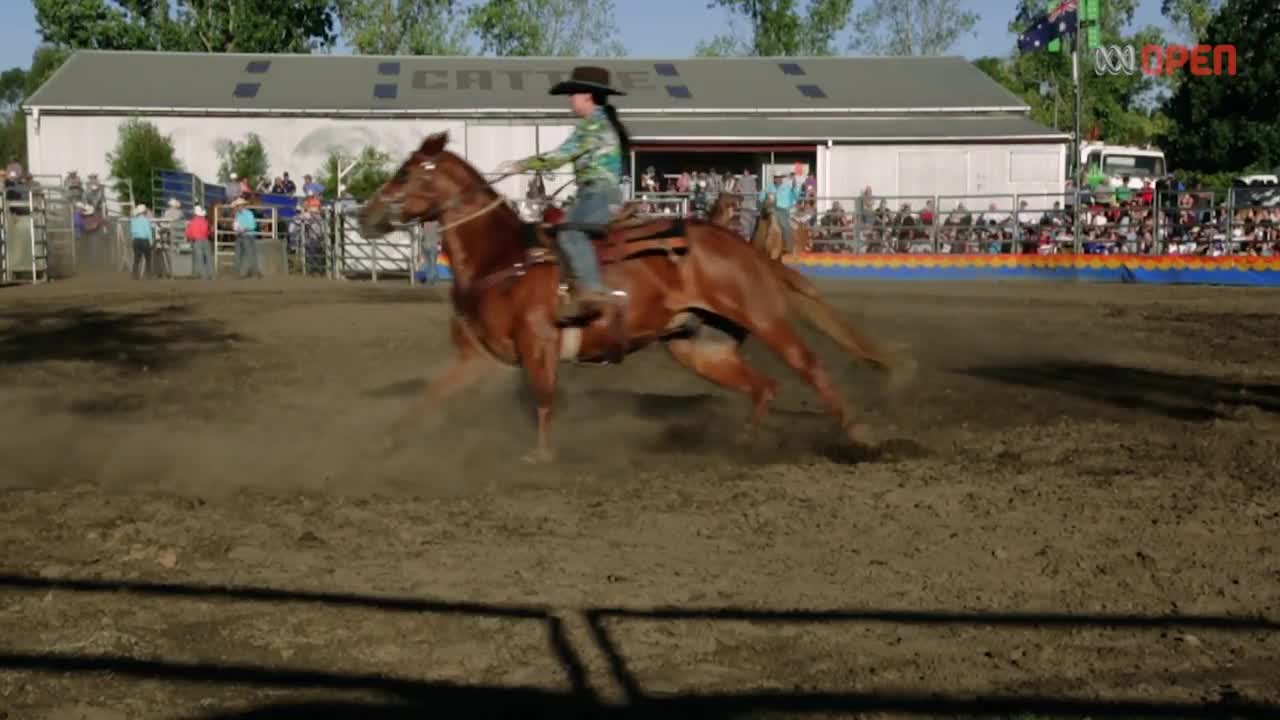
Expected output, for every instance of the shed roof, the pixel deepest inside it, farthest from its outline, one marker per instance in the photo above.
(107, 81)
(874, 129)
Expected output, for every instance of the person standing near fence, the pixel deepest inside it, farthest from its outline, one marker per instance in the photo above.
(430, 252)
(785, 193)
(749, 208)
(245, 226)
(143, 234)
(173, 220)
(201, 249)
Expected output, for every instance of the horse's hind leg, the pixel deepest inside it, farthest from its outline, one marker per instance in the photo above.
(721, 362)
(791, 348)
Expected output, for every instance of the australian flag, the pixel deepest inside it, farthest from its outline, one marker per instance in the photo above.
(1050, 26)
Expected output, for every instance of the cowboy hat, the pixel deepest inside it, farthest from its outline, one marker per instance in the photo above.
(199, 211)
(586, 79)
(139, 208)
(238, 202)
(175, 202)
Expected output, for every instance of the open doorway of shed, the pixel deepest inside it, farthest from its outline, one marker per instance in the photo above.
(669, 161)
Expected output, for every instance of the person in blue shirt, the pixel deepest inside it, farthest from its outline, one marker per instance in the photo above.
(785, 194)
(142, 233)
(246, 228)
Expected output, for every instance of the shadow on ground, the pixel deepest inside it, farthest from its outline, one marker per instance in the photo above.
(1194, 398)
(147, 339)
(405, 698)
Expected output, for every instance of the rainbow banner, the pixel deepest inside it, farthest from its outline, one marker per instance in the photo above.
(1153, 269)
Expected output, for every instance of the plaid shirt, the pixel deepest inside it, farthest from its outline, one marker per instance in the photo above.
(594, 150)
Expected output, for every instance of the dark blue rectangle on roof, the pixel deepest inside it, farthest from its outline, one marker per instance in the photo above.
(388, 68)
(247, 90)
(257, 67)
(665, 69)
(679, 91)
(811, 91)
(385, 91)
(791, 68)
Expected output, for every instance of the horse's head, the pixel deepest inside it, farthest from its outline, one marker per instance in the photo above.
(429, 183)
(725, 208)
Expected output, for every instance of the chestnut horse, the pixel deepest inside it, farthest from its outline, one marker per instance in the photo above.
(673, 271)
(724, 211)
(767, 238)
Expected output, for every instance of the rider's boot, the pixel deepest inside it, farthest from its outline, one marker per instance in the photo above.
(588, 296)
(584, 303)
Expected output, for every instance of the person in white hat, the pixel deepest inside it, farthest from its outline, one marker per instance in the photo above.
(143, 234)
(171, 227)
(246, 228)
(201, 246)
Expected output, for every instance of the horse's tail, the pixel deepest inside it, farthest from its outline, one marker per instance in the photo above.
(804, 298)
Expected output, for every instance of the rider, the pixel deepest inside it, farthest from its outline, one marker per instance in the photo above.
(785, 193)
(595, 148)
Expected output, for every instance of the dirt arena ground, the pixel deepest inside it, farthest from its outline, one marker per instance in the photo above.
(1074, 512)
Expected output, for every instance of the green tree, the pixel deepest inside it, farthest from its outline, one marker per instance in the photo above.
(1225, 123)
(16, 85)
(724, 45)
(560, 28)
(373, 171)
(779, 28)
(257, 26)
(1190, 17)
(399, 27)
(247, 159)
(140, 151)
(1118, 105)
(911, 27)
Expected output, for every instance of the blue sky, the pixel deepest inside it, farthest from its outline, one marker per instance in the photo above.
(650, 28)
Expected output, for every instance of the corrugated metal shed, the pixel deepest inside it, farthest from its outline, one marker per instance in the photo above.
(872, 129)
(99, 81)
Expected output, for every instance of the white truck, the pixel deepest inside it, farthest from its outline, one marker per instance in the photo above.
(1120, 161)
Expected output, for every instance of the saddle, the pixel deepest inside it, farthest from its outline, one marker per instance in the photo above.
(627, 235)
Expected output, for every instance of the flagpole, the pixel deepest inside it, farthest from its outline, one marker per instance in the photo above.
(1075, 149)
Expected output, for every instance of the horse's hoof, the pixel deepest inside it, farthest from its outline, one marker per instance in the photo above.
(538, 456)
(746, 438)
(860, 434)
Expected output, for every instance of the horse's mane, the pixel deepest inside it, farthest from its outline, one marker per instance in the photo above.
(470, 170)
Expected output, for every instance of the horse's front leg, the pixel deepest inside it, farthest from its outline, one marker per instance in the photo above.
(539, 346)
(469, 365)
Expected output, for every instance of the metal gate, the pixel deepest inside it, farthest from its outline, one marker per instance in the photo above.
(391, 256)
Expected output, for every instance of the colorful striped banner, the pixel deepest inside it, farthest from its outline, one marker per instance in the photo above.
(1156, 269)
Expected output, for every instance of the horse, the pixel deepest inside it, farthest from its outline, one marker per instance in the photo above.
(767, 238)
(678, 276)
(724, 211)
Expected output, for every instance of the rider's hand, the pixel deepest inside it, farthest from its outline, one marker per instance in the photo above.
(511, 167)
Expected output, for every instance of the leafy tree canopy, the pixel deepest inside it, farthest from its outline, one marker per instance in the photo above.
(140, 151)
(1230, 123)
(188, 25)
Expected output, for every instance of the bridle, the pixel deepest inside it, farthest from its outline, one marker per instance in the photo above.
(396, 203)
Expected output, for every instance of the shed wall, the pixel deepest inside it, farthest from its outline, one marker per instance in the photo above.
(973, 170)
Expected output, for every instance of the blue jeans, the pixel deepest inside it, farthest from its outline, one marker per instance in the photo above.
(201, 260)
(591, 207)
(141, 258)
(431, 254)
(247, 256)
(782, 216)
